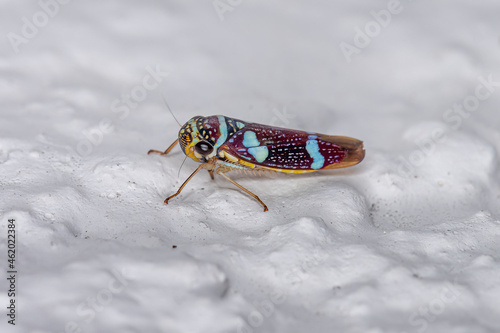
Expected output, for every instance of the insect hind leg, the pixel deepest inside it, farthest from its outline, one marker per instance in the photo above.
(221, 171)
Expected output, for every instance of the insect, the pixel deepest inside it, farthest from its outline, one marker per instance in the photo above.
(222, 144)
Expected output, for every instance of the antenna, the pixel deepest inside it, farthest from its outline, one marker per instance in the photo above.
(168, 107)
(179, 173)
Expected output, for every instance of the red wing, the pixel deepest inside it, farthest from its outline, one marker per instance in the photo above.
(286, 149)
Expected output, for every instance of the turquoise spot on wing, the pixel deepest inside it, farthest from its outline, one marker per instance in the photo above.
(313, 150)
(250, 139)
(259, 153)
(240, 125)
(313, 137)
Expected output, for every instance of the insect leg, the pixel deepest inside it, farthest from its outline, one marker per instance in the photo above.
(164, 152)
(202, 166)
(211, 172)
(242, 188)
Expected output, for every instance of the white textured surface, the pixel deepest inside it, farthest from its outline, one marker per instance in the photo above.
(385, 246)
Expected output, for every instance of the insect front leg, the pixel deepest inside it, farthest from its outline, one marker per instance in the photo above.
(166, 151)
(202, 166)
(221, 171)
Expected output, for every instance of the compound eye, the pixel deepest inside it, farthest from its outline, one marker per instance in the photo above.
(203, 148)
